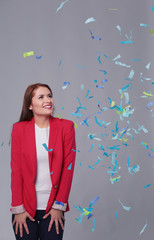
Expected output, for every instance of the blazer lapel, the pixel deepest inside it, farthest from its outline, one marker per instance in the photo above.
(52, 138)
(30, 133)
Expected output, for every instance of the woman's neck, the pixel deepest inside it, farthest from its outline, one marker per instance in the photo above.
(42, 122)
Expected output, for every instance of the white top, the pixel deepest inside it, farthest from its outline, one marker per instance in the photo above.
(43, 182)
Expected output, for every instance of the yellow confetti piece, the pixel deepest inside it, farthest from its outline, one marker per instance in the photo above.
(123, 139)
(151, 32)
(122, 95)
(27, 54)
(114, 179)
(59, 116)
(86, 212)
(112, 103)
(75, 125)
(148, 94)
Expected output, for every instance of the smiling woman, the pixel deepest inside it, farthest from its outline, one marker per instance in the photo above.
(39, 199)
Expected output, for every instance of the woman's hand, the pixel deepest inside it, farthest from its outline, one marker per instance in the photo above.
(57, 216)
(20, 219)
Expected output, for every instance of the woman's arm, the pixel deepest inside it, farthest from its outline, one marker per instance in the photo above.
(68, 166)
(16, 172)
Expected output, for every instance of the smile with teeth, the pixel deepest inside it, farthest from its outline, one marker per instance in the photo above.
(48, 107)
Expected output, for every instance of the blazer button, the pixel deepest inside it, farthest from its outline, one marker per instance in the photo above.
(55, 186)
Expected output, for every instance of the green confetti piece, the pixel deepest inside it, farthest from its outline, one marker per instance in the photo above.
(27, 54)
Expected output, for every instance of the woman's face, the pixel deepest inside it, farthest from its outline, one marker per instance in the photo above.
(42, 102)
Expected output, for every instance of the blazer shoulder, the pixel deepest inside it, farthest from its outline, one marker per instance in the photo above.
(19, 125)
(64, 122)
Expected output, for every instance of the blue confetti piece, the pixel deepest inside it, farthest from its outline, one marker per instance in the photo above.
(98, 86)
(98, 38)
(70, 166)
(92, 145)
(148, 66)
(122, 64)
(91, 167)
(152, 7)
(60, 62)
(46, 148)
(93, 229)
(146, 186)
(124, 207)
(80, 66)
(143, 229)
(104, 81)
(125, 42)
(75, 150)
(119, 28)
(116, 215)
(91, 34)
(94, 200)
(150, 104)
(104, 71)
(89, 216)
(61, 5)
(139, 60)
(99, 60)
(90, 20)
(51, 173)
(150, 155)
(143, 25)
(2, 144)
(38, 57)
(59, 203)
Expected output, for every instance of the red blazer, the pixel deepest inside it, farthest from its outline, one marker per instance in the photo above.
(24, 163)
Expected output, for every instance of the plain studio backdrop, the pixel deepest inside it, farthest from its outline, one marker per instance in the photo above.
(106, 61)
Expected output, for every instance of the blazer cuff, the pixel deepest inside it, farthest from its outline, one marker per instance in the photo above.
(18, 209)
(60, 206)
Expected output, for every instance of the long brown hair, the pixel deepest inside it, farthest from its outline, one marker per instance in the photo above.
(26, 113)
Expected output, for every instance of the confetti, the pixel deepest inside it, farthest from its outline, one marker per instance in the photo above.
(46, 148)
(146, 186)
(93, 229)
(70, 166)
(124, 207)
(143, 25)
(90, 20)
(60, 62)
(116, 215)
(143, 229)
(38, 57)
(61, 5)
(27, 54)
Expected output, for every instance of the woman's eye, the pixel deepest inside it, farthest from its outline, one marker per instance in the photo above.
(40, 97)
(50, 96)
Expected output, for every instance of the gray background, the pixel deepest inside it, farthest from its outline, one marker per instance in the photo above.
(34, 25)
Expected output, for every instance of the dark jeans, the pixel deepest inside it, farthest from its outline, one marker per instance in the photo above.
(39, 230)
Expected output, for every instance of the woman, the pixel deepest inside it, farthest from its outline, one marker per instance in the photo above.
(42, 164)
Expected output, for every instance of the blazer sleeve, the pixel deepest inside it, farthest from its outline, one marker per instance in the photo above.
(68, 167)
(16, 172)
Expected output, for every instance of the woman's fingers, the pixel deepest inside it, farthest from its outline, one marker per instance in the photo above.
(57, 226)
(50, 224)
(20, 229)
(16, 228)
(30, 217)
(26, 228)
(61, 224)
(13, 222)
(46, 215)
